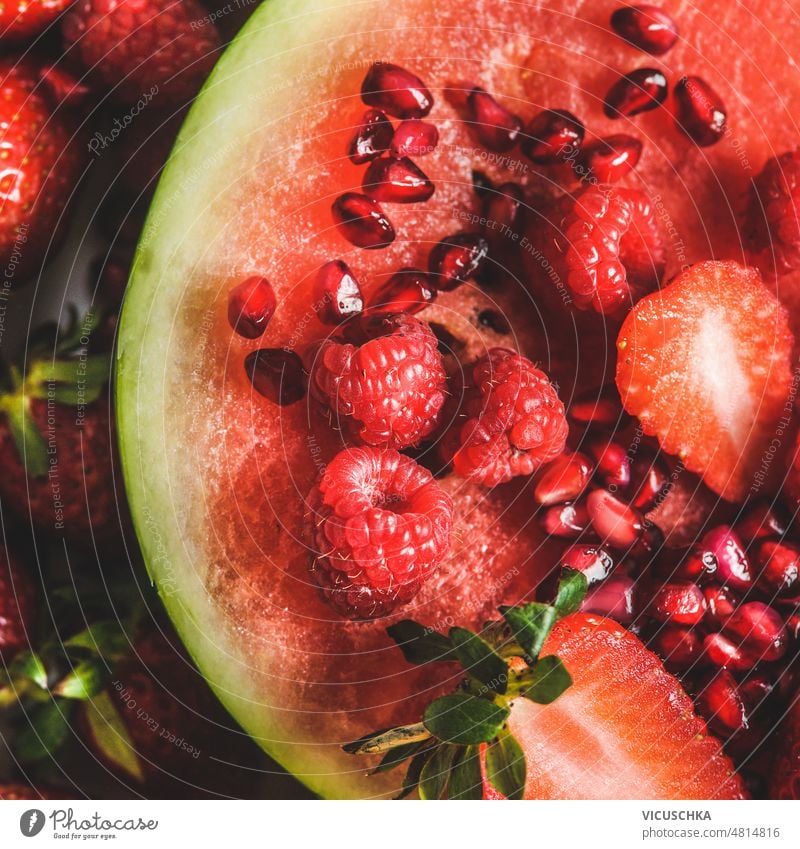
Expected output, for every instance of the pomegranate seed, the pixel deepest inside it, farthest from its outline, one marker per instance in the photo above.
(594, 561)
(613, 463)
(696, 565)
(564, 479)
(601, 407)
(494, 321)
(793, 626)
(721, 602)
(761, 520)
(647, 27)
(722, 652)
(455, 259)
(680, 603)
(361, 221)
(337, 295)
(755, 692)
(567, 521)
(251, 305)
(552, 136)
(651, 480)
(733, 567)
(614, 597)
(500, 208)
(277, 374)
(611, 158)
(406, 291)
(414, 138)
(700, 113)
(396, 91)
(649, 545)
(391, 180)
(779, 564)
(615, 522)
(760, 630)
(495, 126)
(679, 647)
(639, 91)
(372, 138)
(721, 703)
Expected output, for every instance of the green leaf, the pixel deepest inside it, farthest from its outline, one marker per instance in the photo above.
(77, 329)
(110, 734)
(466, 781)
(394, 757)
(549, 678)
(47, 731)
(28, 439)
(106, 639)
(420, 644)
(531, 623)
(411, 779)
(29, 665)
(479, 659)
(572, 588)
(505, 765)
(463, 719)
(86, 679)
(435, 773)
(388, 738)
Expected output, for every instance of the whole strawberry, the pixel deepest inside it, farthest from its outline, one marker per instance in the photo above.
(164, 48)
(21, 19)
(41, 164)
(17, 606)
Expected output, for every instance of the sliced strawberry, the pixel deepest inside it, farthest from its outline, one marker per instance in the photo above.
(625, 729)
(705, 365)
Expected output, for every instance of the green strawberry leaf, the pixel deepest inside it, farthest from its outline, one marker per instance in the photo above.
(76, 333)
(572, 589)
(480, 659)
(531, 623)
(28, 664)
(47, 730)
(436, 771)
(548, 680)
(411, 779)
(86, 679)
(28, 439)
(110, 734)
(464, 719)
(466, 781)
(394, 757)
(505, 765)
(419, 644)
(106, 639)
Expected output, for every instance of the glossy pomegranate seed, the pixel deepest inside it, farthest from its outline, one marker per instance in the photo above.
(680, 603)
(455, 259)
(593, 560)
(720, 702)
(552, 136)
(406, 291)
(639, 91)
(390, 180)
(495, 126)
(610, 159)
(778, 568)
(251, 305)
(372, 138)
(760, 630)
(699, 111)
(680, 647)
(721, 602)
(647, 27)
(733, 566)
(564, 479)
(337, 295)
(361, 221)
(601, 407)
(616, 523)
(722, 652)
(762, 520)
(277, 374)
(696, 565)
(567, 521)
(613, 463)
(649, 545)
(414, 138)
(650, 478)
(396, 91)
(614, 597)
(499, 209)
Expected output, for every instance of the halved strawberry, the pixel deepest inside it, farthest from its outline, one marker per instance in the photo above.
(705, 365)
(625, 729)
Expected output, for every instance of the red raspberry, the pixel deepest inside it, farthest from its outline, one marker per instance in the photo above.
(134, 46)
(772, 220)
(511, 420)
(379, 526)
(390, 390)
(611, 249)
(21, 19)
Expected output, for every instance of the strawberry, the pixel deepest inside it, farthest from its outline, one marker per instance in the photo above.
(705, 364)
(40, 169)
(785, 783)
(17, 606)
(136, 47)
(21, 19)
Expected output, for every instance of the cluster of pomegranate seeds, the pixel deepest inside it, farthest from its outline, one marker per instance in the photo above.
(337, 295)
(552, 136)
(277, 374)
(251, 305)
(647, 27)
(361, 221)
(496, 127)
(699, 111)
(639, 91)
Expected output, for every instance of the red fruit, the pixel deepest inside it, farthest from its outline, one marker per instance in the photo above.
(699, 111)
(361, 221)
(679, 603)
(680, 647)
(718, 421)
(22, 19)
(592, 560)
(639, 91)
(134, 47)
(600, 407)
(609, 159)
(495, 126)
(771, 226)
(277, 374)
(372, 138)
(414, 138)
(721, 703)
(17, 607)
(732, 563)
(500, 209)
(389, 391)
(760, 630)
(390, 180)
(396, 91)
(785, 775)
(625, 728)
(650, 480)
(510, 423)
(779, 568)
(615, 522)
(379, 525)
(406, 291)
(41, 165)
(613, 463)
(564, 479)
(647, 27)
(552, 136)
(612, 251)
(455, 259)
(567, 521)
(337, 295)
(761, 520)
(721, 602)
(251, 305)
(726, 654)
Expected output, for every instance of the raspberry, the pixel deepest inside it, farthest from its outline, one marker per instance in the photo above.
(390, 389)
(379, 526)
(772, 219)
(612, 251)
(511, 421)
